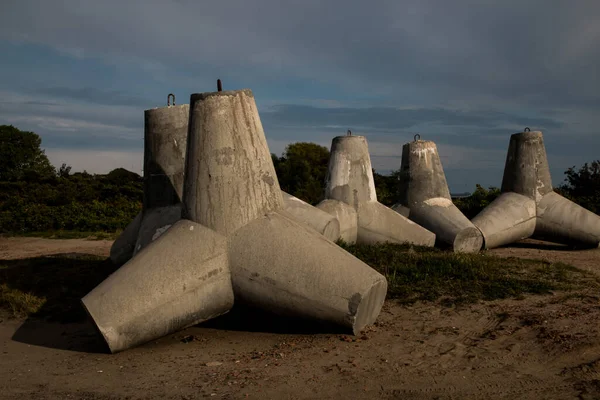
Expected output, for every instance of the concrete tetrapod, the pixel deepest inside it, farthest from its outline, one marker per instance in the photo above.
(179, 280)
(276, 262)
(528, 206)
(425, 198)
(350, 182)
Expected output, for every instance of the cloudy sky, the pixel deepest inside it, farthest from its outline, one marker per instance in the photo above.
(465, 74)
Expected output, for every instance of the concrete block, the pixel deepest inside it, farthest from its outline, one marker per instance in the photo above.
(179, 280)
(319, 220)
(424, 193)
(527, 176)
(285, 267)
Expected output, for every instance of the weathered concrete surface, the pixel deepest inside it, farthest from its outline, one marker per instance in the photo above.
(165, 138)
(424, 192)
(509, 218)
(529, 206)
(562, 221)
(319, 220)
(288, 268)
(378, 223)
(350, 175)
(179, 280)
(350, 180)
(230, 179)
(421, 174)
(156, 221)
(346, 216)
(235, 218)
(526, 170)
(450, 225)
(123, 247)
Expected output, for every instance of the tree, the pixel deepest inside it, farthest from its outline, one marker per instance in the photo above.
(64, 171)
(583, 185)
(302, 170)
(21, 156)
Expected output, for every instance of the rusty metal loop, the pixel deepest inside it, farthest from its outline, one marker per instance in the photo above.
(526, 130)
(349, 133)
(219, 86)
(417, 137)
(169, 100)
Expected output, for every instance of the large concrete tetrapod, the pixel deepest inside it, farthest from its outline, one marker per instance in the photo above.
(424, 192)
(165, 136)
(350, 184)
(276, 262)
(528, 206)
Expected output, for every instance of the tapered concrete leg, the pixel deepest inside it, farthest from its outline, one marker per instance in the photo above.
(156, 222)
(562, 221)
(378, 223)
(526, 171)
(346, 216)
(449, 223)
(319, 220)
(229, 179)
(350, 175)
(509, 218)
(165, 138)
(122, 249)
(284, 266)
(179, 280)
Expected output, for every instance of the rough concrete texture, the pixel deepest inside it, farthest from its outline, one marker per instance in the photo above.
(346, 216)
(378, 223)
(507, 219)
(123, 247)
(179, 280)
(350, 180)
(182, 276)
(165, 138)
(424, 192)
(284, 266)
(319, 220)
(527, 189)
(526, 170)
(562, 221)
(156, 221)
(230, 179)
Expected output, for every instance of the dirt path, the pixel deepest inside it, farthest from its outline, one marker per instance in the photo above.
(543, 347)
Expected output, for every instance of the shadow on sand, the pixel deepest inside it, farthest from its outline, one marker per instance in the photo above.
(62, 323)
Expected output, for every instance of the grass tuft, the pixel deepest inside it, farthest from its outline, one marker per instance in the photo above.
(420, 273)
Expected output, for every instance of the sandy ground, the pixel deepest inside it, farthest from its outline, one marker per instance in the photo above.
(542, 347)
